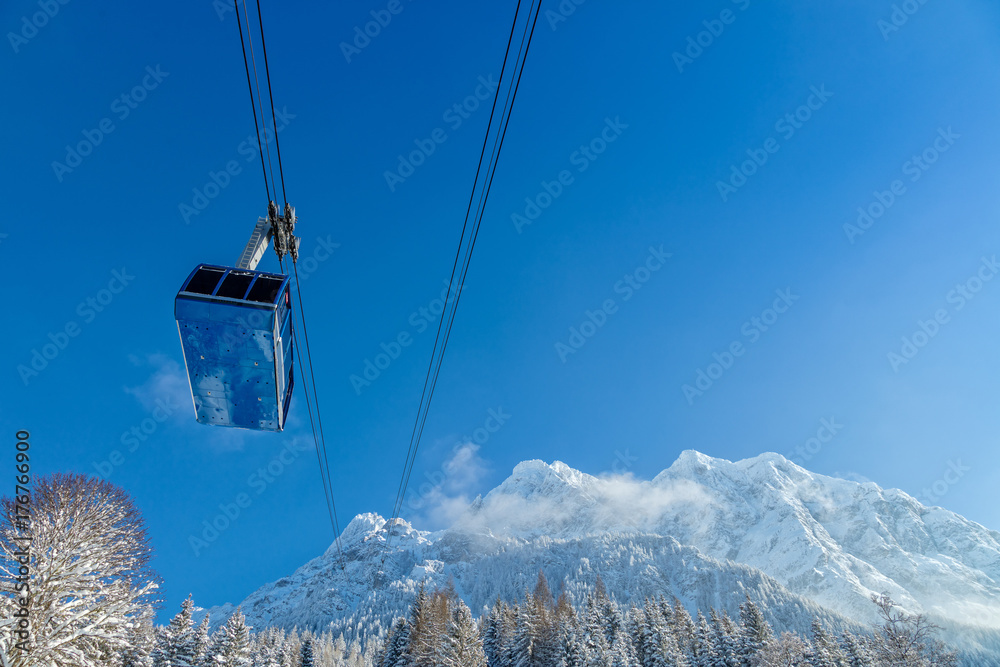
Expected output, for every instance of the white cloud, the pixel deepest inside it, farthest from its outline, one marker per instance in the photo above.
(588, 505)
(167, 385)
(443, 497)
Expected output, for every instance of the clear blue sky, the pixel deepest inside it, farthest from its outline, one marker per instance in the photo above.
(884, 96)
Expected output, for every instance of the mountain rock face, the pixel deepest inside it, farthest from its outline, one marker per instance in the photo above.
(705, 530)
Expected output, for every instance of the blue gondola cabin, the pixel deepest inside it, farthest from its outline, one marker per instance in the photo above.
(235, 329)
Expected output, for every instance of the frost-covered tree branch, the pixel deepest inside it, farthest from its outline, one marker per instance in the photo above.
(91, 584)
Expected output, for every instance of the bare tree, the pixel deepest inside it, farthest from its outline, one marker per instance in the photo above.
(90, 584)
(907, 641)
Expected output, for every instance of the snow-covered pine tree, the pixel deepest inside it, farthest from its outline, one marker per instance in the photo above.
(594, 639)
(394, 652)
(232, 643)
(723, 642)
(825, 650)
(524, 633)
(306, 658)
(354, 655)
(422, 637)
(290, 649)
(202, 644)
(649, 637)
(856, 650)
(622, 651)
(141, 644)
(573, 652)
(754, 632)
(493, 634)
(465, 649)
(674, 656)
(706, 653)
(159, 652)
(684, 630)
(546, 650)
(339, 649)
(789, 650)
(181, 638)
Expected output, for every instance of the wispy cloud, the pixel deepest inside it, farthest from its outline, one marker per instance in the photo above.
(167, 384)
(441, 503)
(586, 505)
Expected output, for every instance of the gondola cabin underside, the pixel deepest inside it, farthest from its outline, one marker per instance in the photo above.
(235, 329)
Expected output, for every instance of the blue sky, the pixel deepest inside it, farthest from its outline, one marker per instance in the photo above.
(833, 102)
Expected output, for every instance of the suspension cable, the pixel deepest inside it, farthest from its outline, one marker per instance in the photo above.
(253, 106)
(263, 121)
(319, 418)
(274, 120)
(484, 195)
(437, 356)
(319, 438)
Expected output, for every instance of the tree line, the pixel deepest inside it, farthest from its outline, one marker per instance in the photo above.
(93, 598)
(541, 631)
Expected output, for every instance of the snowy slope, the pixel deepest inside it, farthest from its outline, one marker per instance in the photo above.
(831, 540)
(706, 530)
(482, 567)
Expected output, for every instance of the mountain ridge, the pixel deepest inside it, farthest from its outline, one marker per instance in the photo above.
(703, 530)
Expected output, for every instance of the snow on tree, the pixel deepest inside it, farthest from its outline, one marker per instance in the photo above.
(232, 643)
(181, 639)
(394, 654)
(573, 652)
(754, 632)
(465, 649)
(856, 650)
(91, 577)
(684, 629)
(494, 634)
(141, 645)
(907, 641)
(826, 651)
(306, 657)
(789, 650)
(203, 644)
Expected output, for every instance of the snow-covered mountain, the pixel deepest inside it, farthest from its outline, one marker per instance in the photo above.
(705, 530)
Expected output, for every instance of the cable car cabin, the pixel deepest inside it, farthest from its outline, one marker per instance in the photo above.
(234, 326)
